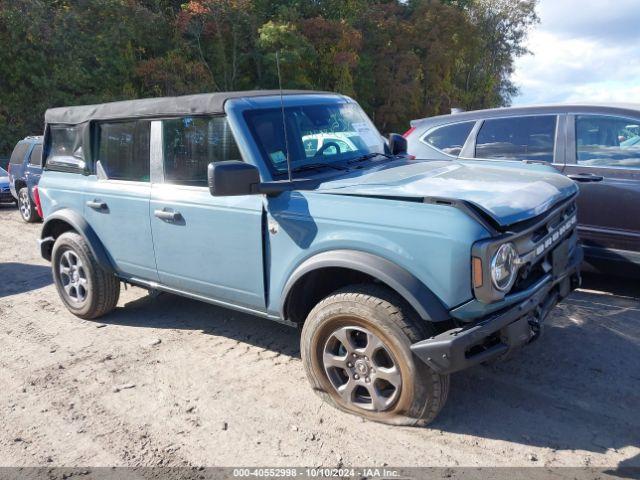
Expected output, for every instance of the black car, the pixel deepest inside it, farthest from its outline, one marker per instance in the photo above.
(25, 168)
(597, 146)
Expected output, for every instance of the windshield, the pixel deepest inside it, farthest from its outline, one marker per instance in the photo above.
(3, 172)
(317, 135)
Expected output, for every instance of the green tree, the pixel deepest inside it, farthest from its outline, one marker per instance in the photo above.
(400, 59)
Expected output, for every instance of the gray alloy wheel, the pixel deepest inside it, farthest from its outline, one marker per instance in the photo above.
(26, 207)
(24, 204)
(73, 277)
(356, 351)
(362, 368)
(86, 288)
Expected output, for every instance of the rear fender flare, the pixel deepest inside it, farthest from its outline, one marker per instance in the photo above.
(80, 226)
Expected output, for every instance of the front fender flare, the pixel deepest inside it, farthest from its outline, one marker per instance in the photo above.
(418, 295)
(80, 225)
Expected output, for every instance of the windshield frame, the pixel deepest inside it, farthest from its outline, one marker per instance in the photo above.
(248, 116)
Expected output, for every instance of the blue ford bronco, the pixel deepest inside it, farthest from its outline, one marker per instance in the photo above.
(290, 205)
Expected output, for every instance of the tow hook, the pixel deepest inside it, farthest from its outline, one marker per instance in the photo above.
(536, 325)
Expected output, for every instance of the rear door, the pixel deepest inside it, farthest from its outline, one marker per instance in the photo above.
(33, 168)
(117, 196)
(534, 138)
(15, 166)
(210, 247)
(603, 156)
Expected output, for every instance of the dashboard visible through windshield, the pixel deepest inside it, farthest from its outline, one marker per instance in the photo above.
(317, 136)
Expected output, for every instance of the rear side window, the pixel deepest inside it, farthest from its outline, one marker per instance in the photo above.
(517, 138)
(191, 143)
(606, 141)
(123, 150)
(65, 148)
(449, 139)
(18, 153)
(36, 156)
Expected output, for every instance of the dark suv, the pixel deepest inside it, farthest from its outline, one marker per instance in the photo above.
(25, 168)
(597, 146)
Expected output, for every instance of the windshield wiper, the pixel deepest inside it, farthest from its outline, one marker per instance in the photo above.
(368, 156)
(317, 166)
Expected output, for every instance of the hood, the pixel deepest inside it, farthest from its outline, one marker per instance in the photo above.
(4, 181)
(507, 194)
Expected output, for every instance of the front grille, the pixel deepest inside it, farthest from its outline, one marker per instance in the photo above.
(536, 244)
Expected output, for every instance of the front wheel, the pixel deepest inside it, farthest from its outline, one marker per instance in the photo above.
(355, 348)
(26, 206)
(87, 290)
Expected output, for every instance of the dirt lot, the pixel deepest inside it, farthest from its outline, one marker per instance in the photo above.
(169, 381)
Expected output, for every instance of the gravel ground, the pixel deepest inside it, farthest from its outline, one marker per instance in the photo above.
(170, 381)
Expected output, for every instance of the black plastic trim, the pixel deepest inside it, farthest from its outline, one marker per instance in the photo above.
(423, 300)
(81, 226)
(448, 352)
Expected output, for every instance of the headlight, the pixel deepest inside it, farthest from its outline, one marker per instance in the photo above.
(504, 267)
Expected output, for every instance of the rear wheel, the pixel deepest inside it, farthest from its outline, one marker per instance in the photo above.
(26, 206)
(355, 348)
(87, 290)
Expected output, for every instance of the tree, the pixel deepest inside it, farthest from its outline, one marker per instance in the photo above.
(400, 59)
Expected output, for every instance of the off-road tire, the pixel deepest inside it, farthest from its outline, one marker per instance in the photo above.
(102, 287)
(377, 309)
(26, 208)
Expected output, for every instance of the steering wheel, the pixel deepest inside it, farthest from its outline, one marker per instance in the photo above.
(324, 146)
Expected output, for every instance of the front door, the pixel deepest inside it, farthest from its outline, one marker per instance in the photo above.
(206, 246)
(117, 197)
(604, 158)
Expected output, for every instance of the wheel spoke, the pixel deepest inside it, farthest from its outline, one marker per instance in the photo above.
(65, 270)
(331, 360)
(67, 288)
(373, 344)
(346, 390)
(391, 375)
(378, 401)
(342, 335)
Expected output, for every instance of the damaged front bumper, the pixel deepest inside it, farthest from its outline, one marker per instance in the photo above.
(510, 328)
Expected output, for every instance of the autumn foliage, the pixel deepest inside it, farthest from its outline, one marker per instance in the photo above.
(400, 59)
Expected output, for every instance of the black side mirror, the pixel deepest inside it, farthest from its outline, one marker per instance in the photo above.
(233, 177)
(397, 144)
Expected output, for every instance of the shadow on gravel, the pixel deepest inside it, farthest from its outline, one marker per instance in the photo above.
(175, 312)
(627, 287)
(578, 388)
(22, 277)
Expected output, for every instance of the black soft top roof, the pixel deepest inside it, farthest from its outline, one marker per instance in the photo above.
(201, 104)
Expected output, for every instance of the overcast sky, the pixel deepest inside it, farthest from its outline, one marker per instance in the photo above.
(583, 50)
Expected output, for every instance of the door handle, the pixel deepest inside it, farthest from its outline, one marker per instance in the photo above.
(585, 177)
(167, 215)
(97, 204)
